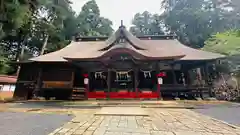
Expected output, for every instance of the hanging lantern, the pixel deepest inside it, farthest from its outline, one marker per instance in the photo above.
(85, 75)
(161, 74)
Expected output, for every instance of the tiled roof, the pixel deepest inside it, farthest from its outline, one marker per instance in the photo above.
(143, 49)
(8, 79)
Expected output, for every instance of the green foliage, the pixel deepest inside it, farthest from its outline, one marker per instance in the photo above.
(227, 43)
(146, 24)
(4, 67)
(13, 15)
(25, 25)
(90, 23)
(194, 21)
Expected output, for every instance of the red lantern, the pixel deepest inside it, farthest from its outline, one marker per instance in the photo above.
(161, 74)
(85, 75)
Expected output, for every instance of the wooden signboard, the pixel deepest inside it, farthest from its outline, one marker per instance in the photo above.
(57, 84)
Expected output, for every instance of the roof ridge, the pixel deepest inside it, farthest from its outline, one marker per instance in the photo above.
(122, 33)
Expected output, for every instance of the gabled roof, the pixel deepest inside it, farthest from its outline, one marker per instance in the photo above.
(124, 34)
(123, 41)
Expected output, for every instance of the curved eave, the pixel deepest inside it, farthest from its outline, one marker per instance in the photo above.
(21, 62)
(203, 59)
(135, 54)
(204, 56)
(65, 61)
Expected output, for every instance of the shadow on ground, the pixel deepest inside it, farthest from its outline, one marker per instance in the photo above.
(18, 123)
(51, 105)
(225, 112)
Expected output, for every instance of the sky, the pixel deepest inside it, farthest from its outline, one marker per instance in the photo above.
(117, 10)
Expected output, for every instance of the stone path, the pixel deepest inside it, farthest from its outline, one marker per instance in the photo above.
(186, 122)
(159, 122)
(123, 111)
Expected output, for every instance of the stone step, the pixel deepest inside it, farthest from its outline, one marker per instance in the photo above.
(119, 105)
(78, 90)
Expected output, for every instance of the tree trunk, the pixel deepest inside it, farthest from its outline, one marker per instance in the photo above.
(20, 58)
(20, 55)
(44, 44)
(17, 56)
(22, 52)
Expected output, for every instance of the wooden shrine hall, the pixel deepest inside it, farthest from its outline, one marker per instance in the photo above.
(121, 66)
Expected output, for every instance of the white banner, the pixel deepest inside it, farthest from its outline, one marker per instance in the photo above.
(160, 81)
(85, 80)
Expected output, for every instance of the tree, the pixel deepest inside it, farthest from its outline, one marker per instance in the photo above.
(146, 24)
(32, 27)
(91, 23)
(4, 67)
(43, 25)
(14, 14)
(51, 24)
(195, 21)
(27, 25)
(226, 43)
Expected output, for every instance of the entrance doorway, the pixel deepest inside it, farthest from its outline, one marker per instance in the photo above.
(122, 81)
(122, 85)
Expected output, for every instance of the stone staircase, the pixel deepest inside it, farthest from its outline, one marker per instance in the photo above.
(78, 94)
(136, 104)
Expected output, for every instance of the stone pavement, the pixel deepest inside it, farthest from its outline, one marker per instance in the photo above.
(159, 122)
(123, 111)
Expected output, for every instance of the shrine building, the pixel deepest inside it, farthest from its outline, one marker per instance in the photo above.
(121, 66)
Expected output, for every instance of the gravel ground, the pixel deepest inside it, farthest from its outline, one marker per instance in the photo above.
(229, 113)
(30, 124)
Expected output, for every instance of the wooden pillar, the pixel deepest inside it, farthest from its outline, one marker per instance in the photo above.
(158, 85)
(136, 81)
(174, 75)
(207, 79)
(199, 77)
(109, 82)
(38, 83)
(72, 79)
(206, 72)
(199, 73)
(174, 78)
(190, 77)
(87, 79)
